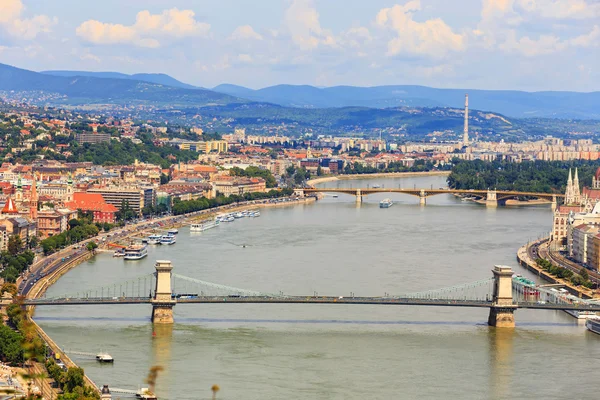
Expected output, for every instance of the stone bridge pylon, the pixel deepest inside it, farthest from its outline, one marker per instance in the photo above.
(503, 308)
(163, 301)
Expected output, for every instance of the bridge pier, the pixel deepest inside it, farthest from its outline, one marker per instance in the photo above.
(422, 198)
(491, 200)
(358, 196)
(163, 303)
(554, 205)
(503, 308)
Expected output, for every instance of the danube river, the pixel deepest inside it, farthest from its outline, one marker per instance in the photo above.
(336, 352)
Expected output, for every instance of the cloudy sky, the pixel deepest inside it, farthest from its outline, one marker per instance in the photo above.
(486, 44)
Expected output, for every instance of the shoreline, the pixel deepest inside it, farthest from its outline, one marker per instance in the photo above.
(376, 175)
(40, 287)
(525, 262)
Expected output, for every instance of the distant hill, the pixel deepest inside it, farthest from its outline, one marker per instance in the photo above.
(161, 79)
(508, 102)
(77, 90)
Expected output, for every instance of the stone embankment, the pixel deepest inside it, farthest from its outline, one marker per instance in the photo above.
(525, 261)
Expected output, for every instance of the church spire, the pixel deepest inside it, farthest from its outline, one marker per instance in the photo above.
(569, 193)
(576, 192)
(33, 201)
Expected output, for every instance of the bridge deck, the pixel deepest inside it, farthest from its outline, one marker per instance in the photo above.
(316, 300)
(431, 192)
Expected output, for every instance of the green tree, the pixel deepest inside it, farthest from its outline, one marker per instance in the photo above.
(319, 171)
(73, 379)
(15, 244)
(91, 246)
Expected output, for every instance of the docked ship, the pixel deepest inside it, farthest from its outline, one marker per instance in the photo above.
(167, 239)
(135, 252)
(386, 203)
(583, 314)
(173, 231)
(204, 226)
(154, 239)
(593, 325)
(145, 394)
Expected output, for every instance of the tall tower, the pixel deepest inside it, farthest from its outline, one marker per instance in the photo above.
(569, 195)
(576, 192)
(69, 188)
(33, 201)
(466, 127)
(19, 194)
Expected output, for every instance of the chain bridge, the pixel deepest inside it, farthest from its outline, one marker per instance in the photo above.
(502, 293)
(491, 197)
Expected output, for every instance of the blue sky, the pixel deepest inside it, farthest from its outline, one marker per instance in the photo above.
(483, 44)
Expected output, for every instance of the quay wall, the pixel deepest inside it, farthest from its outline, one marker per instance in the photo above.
(526, 262)
(44, 283)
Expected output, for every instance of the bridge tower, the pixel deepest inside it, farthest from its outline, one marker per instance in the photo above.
(554, 204)
(358, 196)
(502, 309)
(491, 200)
(163, 303)
(422, 198)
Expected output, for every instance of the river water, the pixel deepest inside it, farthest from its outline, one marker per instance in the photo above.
(336, 351)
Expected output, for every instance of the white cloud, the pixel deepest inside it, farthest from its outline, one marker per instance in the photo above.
(587, 40)
(302, 21)
(245, 32)
(245, 58)
(432, 38)
(22, 28)
(89, 57)
(512, 12)
(545, 44)
(147, 29)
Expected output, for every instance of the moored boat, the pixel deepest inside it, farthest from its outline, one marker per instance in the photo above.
(386, 203)
(168, 239)
(154, 239)
(201, 227)
(145, 394)
(583, 314)
(173, 231)
(135, 252)
(593, 325)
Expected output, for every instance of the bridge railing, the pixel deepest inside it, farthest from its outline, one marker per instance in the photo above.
(139, 287)
(479, 290)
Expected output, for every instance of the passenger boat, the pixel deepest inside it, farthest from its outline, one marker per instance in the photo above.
(593, 325)
(104, 358)
(168, 239)
(583, 314)
(119, 253)
(136, 252)
(386, 203)
(376, 186)
(173, 231)
(255, 214)
(154, 239)
(335, 196)
(145, 394)
(204, 226)
(238, 215)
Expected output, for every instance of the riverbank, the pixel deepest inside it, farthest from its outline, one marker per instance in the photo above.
(376, 175)
(41, 286)
(525, 261)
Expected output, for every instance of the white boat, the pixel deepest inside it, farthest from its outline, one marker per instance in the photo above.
(154, 239)
(583, 314)
(204, 226)
(136, 252)
(376, 186)
(255, 214)
(173, 231)
(104, 358)
(145, 394)
(168, 239)
(386, 203)
(593, 325)
(119, 253)
(238, 215)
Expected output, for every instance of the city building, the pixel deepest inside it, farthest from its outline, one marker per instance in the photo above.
(92, 137)
(117, 195)
(94, 202)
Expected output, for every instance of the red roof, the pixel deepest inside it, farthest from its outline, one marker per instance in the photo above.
(591, 193)
(10, 207)
(90, 202)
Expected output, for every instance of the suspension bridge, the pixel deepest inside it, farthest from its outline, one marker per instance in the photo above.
(163, 289)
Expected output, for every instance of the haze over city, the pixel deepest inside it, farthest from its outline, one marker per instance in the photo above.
(484, 44)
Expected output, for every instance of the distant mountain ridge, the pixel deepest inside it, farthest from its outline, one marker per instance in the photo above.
(89, 90)
(161, 79)
(508, 102)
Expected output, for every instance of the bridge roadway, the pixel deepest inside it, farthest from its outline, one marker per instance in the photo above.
(500, 194)
(401, 301)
